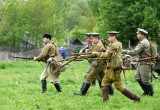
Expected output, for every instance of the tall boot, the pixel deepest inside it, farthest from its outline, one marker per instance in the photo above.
(100, 86)
(84, 89)
(105, 94)
(58, 87)
(80, 89)
(82, 85)
(150, 90)
(111, 91)
(143, 86)
(130, 95)
(44, 83)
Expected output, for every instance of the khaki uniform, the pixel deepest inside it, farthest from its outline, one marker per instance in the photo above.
(97, 67)
(144, 67)
(112, 75)
(49, 50)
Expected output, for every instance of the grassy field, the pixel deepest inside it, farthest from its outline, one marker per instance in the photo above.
(20, 89)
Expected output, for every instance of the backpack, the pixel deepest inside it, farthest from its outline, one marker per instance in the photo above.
(116, 60)
(153, 48)
(59, 65)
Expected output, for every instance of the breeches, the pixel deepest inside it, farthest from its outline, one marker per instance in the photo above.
(113, 76)
(88, 71)
(52, 72)
(144, 74)
(95, 72)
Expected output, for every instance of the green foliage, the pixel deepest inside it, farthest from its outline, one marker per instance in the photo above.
(71, 19)
(126, 16)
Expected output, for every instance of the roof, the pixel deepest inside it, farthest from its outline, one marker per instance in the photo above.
(75, 42)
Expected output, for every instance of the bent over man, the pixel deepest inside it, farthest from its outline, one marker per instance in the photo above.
(48, 52)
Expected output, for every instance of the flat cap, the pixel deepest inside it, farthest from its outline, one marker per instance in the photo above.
(112, 32)
(142, 31)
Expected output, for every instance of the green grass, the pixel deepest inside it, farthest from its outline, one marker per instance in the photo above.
(20, 89)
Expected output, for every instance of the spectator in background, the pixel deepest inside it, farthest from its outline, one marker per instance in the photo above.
(63, 52)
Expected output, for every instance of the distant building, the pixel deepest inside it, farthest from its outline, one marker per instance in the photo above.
(75, 45)
(75, 42)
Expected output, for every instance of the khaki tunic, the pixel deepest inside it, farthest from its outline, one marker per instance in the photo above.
(112, 75)
(144, 67)
(97, 67)
(49, 50)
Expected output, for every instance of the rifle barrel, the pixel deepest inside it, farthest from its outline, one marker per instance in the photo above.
(78, 54)
(29, 58)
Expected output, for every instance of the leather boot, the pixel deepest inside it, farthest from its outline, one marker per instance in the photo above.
(105, 94)
(130, 95)
(82, 86)
(150, 90)
(111, 91)
(143, 86)
(58, 87)
(84, 90)
(80, 89)
(44, 83)
(100, 86)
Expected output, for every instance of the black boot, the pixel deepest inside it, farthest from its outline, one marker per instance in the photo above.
(44, 83)
(130, 95)
(82, 86)
(100, 86)
(80, 89)
(84, 89)
(150, 90)
(111, 91)
(143, 86)
(58, 87)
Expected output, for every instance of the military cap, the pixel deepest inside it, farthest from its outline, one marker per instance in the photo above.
(141, 31)
(95, 34)
(112, 32)
(47, 36)
(87, 35)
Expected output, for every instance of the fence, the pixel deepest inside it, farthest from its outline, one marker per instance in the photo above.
(8, 56)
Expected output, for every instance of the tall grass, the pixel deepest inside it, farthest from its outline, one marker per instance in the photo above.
(20, 89)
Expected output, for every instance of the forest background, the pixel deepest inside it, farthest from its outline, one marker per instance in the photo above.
(27, 20)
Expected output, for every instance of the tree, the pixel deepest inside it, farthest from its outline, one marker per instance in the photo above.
(126, 16)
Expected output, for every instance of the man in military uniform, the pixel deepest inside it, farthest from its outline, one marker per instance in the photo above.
(113, 74)
(88, 39)
(143, 75)
(97, 67)
(48, 52)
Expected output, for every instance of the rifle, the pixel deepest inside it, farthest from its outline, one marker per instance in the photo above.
(149, 58)
(79, 54)
(27, 58)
